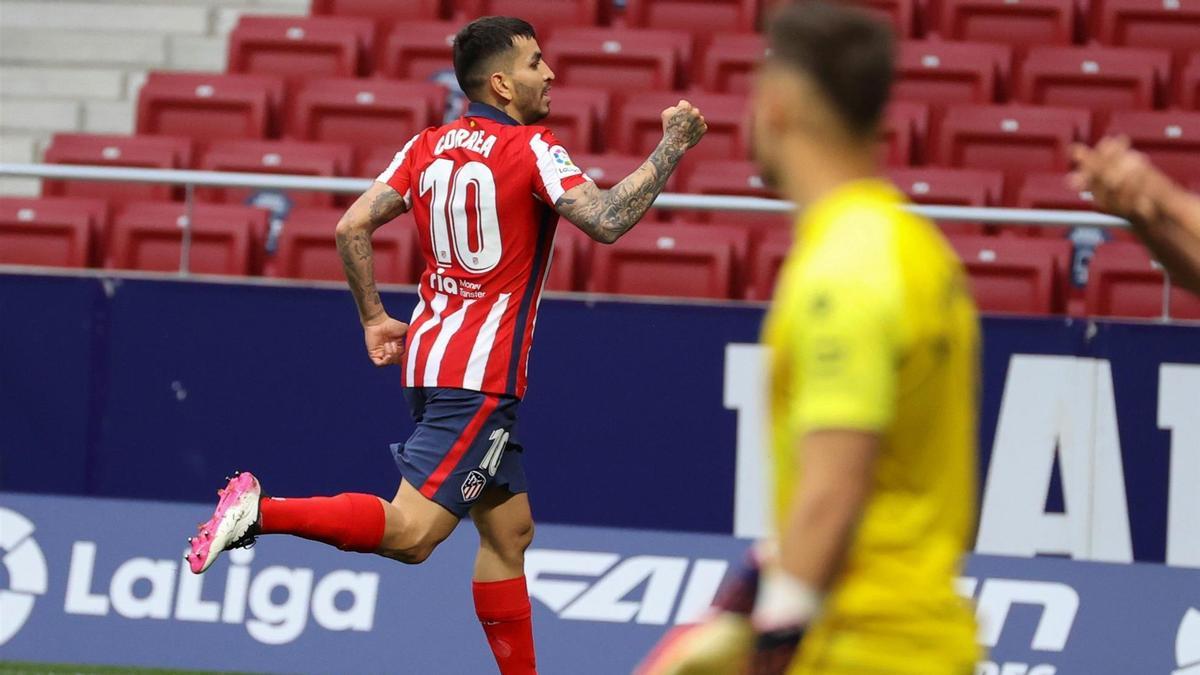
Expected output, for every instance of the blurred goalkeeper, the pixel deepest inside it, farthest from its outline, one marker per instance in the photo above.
(873, 342)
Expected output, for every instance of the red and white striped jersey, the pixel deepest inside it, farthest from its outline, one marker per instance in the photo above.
(482, 191)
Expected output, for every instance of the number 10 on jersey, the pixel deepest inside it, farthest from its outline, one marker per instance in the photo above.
(450, 223)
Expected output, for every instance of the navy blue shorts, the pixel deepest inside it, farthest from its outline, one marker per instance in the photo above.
(463, 444)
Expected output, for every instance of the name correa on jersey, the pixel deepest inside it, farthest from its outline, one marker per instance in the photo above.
(484, 265)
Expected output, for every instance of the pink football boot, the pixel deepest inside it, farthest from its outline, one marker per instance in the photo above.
(233, 525)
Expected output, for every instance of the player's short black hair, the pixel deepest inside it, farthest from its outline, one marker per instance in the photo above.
(847, 53)
(478, 42)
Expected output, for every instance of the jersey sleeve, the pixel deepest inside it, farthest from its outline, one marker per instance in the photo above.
(398, 174)
(554, 172)
(847, 349)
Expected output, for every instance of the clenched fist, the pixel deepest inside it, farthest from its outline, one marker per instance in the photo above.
(385, 340)
(683, 125)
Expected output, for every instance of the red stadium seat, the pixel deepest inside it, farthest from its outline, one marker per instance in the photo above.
(1010, 274)
(1124, 281)
(545, 15)
(1027, 23)
(148, 236)
(415, 51)
(905, 129)
(768, 257)
(1015, 139)
(952, 187)
(365, 113)
(1094, 77)
(576, 116)
(933, 71)
(639, 124)
(1160, 24)
(286, 157)
(383, 11)
(620, 60)
(730, 60)
(297, 47)
(670, 260)
(1188, 95)
(905, 16)
(699, 17)
(209, 106)
(49, 231)
(1171, 139)
(150, 152)
(307, 248)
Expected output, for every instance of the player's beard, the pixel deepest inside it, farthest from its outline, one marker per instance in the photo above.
(529, 103)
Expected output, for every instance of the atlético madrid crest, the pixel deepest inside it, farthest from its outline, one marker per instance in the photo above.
(472, 486)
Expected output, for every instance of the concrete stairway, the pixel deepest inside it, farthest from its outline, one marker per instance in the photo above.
(77, 65)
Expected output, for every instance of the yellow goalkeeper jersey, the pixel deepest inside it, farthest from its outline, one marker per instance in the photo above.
(872, 328)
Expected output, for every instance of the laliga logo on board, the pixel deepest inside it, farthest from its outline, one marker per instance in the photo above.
(26, 568)
(249, 598)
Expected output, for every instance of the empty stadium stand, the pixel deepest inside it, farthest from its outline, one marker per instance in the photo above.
(286, 157)
(1016, 275)
(1124, 281)
(699, 17)
(620, 60)
(694, 261)
(1095, 77)
(1170, 138)
(298, 48)
(956, 187)
(989, 94)
(52, 232)
(729, 62)
(577, 118)
(937, 72)
(1022, 24)
(306, 248)
(364, 113)
(1015, 139)
(209, 106)
(149, 236)
(415, 51)
(638, 125)
(153, 152)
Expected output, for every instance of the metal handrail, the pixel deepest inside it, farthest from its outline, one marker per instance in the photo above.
(671, 201)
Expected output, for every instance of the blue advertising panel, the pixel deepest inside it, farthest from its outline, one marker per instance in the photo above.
(154, 388)
(109, 574)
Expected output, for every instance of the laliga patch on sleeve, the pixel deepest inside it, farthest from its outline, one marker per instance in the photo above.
(563, 163)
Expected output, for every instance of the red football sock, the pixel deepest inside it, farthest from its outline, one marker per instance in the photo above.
(350, 521)
(503, 609)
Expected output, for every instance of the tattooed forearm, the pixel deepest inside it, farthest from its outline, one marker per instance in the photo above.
(354, 246)
(384, 206)
(605, 215)
(375, 207)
